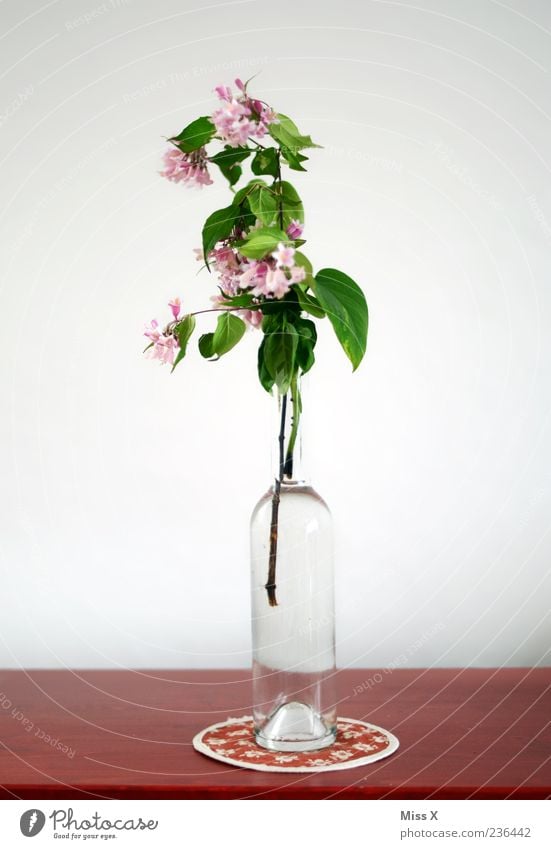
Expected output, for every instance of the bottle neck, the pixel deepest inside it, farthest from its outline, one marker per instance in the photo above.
(287, 460)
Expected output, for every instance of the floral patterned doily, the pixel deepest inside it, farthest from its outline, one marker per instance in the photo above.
(358, 743)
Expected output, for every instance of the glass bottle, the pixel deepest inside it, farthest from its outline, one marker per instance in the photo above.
(292, 600)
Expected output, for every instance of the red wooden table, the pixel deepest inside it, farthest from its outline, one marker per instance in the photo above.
(478, 733)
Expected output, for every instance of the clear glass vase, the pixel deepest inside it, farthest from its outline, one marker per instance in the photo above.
(292, 601)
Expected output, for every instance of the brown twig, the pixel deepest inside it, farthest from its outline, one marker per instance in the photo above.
(280, 205)
(271, 582)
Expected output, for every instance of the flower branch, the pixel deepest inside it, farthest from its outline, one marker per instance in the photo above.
(253, 246)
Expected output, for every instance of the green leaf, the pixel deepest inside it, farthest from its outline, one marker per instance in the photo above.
(262, 241)
(307, 338)
(245, 300)
(243, 194)
(227, 160)
(218, 226)
(232, 173)
(263, 205)
(309, 303)
(195, 135)
(306, 329)
(264, 375)
(229, 330)
(294, 160)
(265, 162)
(275, 307)
(287, 134)
(345, 305)
(303, 261)
(271, 322)
(280, 355)
(184, 329)
(205, 345)
(291, 202)
(231, 155)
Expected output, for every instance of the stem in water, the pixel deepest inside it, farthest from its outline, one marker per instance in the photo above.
(271, 582)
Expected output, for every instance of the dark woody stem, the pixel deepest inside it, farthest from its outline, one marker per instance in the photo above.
(171, 326)
(272, 560)
(280, 204)
(285, 470)
(228, 309)
(274, 524)
(296, 402)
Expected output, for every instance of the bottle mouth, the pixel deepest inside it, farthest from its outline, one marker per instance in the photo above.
(292, 483)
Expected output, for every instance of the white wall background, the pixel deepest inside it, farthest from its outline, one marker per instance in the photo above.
(125, 491)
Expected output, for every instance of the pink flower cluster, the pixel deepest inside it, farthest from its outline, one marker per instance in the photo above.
(271, 277)
(164, 344)
(240, 117)
(267, 278)
(190, 168)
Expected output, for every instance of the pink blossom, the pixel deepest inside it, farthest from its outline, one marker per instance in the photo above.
(190, 168)
(227, 264)
(239, 117)
(259, 131)
(277, 283)
(298, 274)
(175, 305)
(223, 92)
(151, 330)
(268, 115)
(295, 229)
(239, 274)
(199, 255)
(284, 256)
(252, 317)
(224, 257)
(248, 277)
(254, 275)
(201, 177)
(164, 345)
(234, 110)
(176, 166)
(232, 122)
(165, 349)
